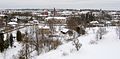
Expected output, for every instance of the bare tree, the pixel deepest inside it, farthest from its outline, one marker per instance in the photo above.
(100, 32)
(77, 44)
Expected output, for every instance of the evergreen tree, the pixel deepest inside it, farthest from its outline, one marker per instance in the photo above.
(1, 42)
(6, 43)
(19, 36)
(11, 40)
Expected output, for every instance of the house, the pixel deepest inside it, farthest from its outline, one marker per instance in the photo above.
(44, 30)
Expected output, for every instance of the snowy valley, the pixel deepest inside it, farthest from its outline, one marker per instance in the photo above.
(106, 48)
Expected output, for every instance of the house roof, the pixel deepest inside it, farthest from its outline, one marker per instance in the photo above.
(12, 23)
(93, 22)
(15, 19)
(44, 27)
(115, 20)
(84, 12)
(64, 30)
(2, 15)
(108, 22)
(112, 12)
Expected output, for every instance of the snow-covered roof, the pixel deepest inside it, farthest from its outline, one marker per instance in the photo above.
(44, 27)
(112, 13)
(95, 12)
(42, 15)
(64, 30)
(115, 20)
(93, 22)
(12, 23)
(55, 18)
(108, 22)
(67, 12)
(84, 12)
(35, 20)
(15, 19)
(2, 15)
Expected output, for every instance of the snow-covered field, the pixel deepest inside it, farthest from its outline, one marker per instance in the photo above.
(107, 48)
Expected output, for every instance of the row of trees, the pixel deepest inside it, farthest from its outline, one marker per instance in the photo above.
(4, 44)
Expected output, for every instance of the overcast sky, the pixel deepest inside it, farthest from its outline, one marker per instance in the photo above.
(76, 4)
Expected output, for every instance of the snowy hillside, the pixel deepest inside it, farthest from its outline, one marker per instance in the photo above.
(106, 48)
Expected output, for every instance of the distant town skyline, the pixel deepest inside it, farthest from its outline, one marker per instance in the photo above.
(61, 4)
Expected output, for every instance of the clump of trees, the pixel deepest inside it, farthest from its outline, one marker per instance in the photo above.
(75, 23)
(36, 40)
(80, 30)
(79, 23)
(9, 41)
(4, 44)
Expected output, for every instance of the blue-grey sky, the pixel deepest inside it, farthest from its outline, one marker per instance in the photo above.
(76, 4)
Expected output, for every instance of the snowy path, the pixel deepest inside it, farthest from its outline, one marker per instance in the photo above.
(10, 52)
